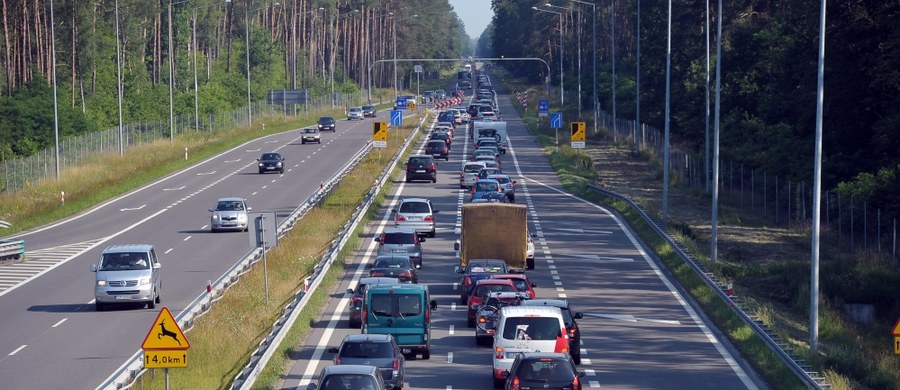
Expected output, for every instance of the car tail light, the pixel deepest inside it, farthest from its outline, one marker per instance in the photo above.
(400, 218)
(462, 175)
(482, 319)
(446, 150)
(467, 281)
(409, 168)
(396, 364)
(376, 274)
(356, 299)
(498, 352)
(514, 385)
(576, 383)
(429, 218)
(562, 344)
(406, 274)
(572, 332)
(337, 361)
(432, 168)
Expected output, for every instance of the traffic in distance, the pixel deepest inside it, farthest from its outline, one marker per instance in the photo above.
(523, 334)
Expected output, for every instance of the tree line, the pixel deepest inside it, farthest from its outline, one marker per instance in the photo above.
(768, 92)
(293, 44)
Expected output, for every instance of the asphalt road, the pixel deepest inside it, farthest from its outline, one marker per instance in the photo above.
(51, 336)
(638, 331)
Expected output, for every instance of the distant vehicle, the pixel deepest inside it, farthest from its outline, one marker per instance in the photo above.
(526, 329)
(537, 370)
(421, 167)
(355, 113)
(438, 149)
(569, 318)
(346, 376)
(508, 185)
(476, 270)
(327, 123)
(270, 162)
(229, 214)
(369, 111)
(478, 293)
(440, 94)
(311, 134)
(394, 266)
(484, 186)
(358, 294)
(401, 241)
(377, 350)
(417, 214)
(402, 311)
(127, 274)
(469, 173)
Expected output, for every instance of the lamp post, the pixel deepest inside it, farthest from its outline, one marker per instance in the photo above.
(119, 82)
(394, 32)
(562, 87)
(593, 56)
(196, 46)
(334, 45)
(247, 49)
(55, 104)
(578, 60)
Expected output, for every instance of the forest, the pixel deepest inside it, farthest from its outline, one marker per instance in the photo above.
(768, 85)
(293, 44)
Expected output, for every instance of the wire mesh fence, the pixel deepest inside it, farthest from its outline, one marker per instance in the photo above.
(855, 224)
(21, 172)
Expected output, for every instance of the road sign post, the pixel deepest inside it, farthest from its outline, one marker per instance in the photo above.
(578, 135)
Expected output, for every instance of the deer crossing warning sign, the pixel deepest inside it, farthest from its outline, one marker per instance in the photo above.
(165, 334)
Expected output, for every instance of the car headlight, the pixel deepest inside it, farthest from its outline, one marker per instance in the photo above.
(215, 217)
(144, 281)
(262, 165)
(242, 217)
(101, 283)
(279, 164)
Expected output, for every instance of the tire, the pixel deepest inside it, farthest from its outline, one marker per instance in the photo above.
(281, 171)
(432, 234)
(261, 171)
(302, 142)
(499, 383)
(158, 299)
(577, 358)
(447, 158)
(426, 354)
(470, 322)
(529, 263)
(434, 179)
(462, 299)
(151, 304)
(408, 181)
(354, 325)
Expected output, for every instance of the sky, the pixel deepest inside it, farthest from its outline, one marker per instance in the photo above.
(475, 14)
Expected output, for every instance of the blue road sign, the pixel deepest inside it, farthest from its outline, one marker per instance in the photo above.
(556, 120)
(401, 102)
(397, 117)
(543, 107)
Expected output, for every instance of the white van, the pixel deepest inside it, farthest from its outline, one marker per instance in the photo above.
(526, 329)
(127, 274)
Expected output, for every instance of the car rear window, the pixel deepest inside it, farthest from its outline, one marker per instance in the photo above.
(436, 144)
(409, 304)
(531, 328)
(473, 168)
(414, 207)
(391, 263)
(348, 381)
(398, 238)
(483, 290)
(420, 160)
(486, 187)
(501, 179)
(367, 349)
(545, 370)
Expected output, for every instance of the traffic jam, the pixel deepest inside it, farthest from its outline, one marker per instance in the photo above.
(533, 341)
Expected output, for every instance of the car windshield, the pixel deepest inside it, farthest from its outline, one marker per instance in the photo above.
(326, 119)
(229, 205)
(311, 130)
(501, 179)
(484, 289)
(270, 156)
(546, 370)
(395, 262)
(414, 208)
(366, 350)
(531, 328)
(124, 261)
(398, 238)
(348, 381)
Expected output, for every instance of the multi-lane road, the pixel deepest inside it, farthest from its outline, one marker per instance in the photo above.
(639, 331)
(51, 336)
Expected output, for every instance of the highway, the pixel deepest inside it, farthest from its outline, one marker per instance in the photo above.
(52, 336)
(639, 330)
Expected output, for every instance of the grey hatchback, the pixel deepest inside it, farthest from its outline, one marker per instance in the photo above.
(416, 213)
(377, 350)
(401, 241)
(348, 376)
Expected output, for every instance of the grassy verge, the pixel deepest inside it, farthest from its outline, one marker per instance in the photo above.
(242, 317)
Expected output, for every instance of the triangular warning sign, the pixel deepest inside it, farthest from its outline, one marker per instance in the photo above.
(896, 330)
(165, 334)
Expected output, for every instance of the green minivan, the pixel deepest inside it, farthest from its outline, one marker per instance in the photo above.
(401, 311)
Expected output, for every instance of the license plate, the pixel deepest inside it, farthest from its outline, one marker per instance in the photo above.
(399, 251)
(414, 219)
(122, 297)
(420, 171)
(406, 350)
(270, 167)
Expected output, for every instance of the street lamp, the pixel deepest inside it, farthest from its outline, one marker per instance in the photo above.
(247, 49)
(561, 85)
(394, 32)
(196, 46)
(578, 50)
(333, 48)
(594, 55)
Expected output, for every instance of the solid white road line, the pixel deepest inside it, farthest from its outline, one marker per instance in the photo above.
(18, 349)
(59, 323)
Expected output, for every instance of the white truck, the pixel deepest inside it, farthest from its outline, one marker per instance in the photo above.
(494, 231)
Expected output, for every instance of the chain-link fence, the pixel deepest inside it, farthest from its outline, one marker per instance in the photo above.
(21, 172)
(853, 223)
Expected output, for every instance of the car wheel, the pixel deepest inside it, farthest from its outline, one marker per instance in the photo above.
(499, 383)
(512, 199)
(426, 354)
(354, 324)
(158, 299)
(447, 158)
(261, 171)
(432, 233)
(529, 263)
(281, 171)
(577, 358)
(434, 179)
(151, 304)
(302, 142)
(408, 181)
(462, 298)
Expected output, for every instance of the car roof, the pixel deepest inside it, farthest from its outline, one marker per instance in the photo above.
(504, 282)
(421, 156)
(486, 181)
(509, 276)
(561, 303)
(230, 199)
(544, 355)
(326, 117)
(518, 311)
(128, 248)
(368, 337)
(375, 281)
(398, 287)
(350, 369)
(392, 256)
(415, 200)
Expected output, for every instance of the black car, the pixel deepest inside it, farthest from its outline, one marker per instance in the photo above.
(443, 137)
(446, 116)
(421, 167)
(394, 266)
(271, 162)
(326, 123)
(438, 149)
(543, 370)
(569, 319)
(477, 270)
(369, 111)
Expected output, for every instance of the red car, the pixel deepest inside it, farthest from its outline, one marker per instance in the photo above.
(521, 282)
(481, 289)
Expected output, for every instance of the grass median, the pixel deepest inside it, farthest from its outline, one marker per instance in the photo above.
(223, 339)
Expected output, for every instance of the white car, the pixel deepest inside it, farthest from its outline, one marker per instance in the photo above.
(355, 113)
(469, 173)
(526, 329)
(229, 214)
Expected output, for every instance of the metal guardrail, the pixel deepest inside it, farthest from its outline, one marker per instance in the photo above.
(261, 356)
(12, 249)
(798, 366)
(133, 368)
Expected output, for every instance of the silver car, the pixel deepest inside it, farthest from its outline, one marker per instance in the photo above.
(229, 214)
(469, 173)
(311, 134)
(355, 113)
(127, 274)
(416, 214)
(349, 376)
(508, 185)
(401, 241)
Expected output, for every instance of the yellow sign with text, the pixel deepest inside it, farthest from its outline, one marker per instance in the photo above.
(578, 131)
(165, 334)
(380, 131)
(410, 105)
(165, 359)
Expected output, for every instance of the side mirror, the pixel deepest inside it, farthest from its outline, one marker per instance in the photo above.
(580, 374)
(435, 211)
(249, 208)
(368, 265)
(422, 239)
(515, 182)
(393, 210)
(578, 316)
(533, 284)
(93, 267)
(257, 159)
(433, 305)
(350, 291)
(157, 265)
(311, 386)
(333, 350)
(377, 239)
(211, 210)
